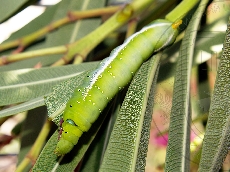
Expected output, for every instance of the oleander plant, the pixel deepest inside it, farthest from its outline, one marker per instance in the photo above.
(96, 85)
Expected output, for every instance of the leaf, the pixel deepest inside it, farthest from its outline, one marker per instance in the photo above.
(69, 33)
(125, 140)
(31, 128)
(76, 30)
(178, 149)
(73, 31)
(48, 161)
(83, 144)
(217, 136)
(22, 107)
(145, 132)
(56, 101)
(33, 83)
(211, 35)
(94, 155)
(8, 8)
(39, 22)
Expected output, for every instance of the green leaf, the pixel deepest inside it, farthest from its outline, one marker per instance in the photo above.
(8, 8)
(94, 155)
(178, 149)
(30, 130)
(48, 161)
(211, 35)
(73, 31)
(83, 144)
(145, 132)
(38, 23)
(127, 145)
(217, 136)
(69, 33)
(22, 107)
(33, 83)
(56, 101)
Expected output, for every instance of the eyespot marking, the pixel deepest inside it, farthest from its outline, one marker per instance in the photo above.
(71, 122)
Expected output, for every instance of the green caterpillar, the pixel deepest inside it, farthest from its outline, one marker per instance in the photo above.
(113, 73)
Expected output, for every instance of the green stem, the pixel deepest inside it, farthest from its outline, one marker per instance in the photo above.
(22, 56)
(181, 10)
(132, 27)
(35, 150)
(71, 17)
(76, 15)
(82, 47)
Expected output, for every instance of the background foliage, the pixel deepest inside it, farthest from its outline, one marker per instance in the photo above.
(176, 103)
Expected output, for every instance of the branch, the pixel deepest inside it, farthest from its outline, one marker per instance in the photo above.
(71, 17)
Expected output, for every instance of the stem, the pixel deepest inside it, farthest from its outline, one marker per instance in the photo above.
(132, 26)
(181, 10)
(76, 15)
(82, 47)
(30, 54)
(157, 12)
(8, 45)
(35, 150)
(71, 17)
(25, 41)
(212, 64)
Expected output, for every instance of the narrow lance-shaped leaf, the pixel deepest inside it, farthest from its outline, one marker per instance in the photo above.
(48, 160)
(205, 40)
(37, 102)
(39, 22)
(95, 154)
(56, 101)
(217, 136)
(25, 84)
(124, 143)
(178, 150)
(69, 33)
(77, 29)
(145, 132)
(8, 8)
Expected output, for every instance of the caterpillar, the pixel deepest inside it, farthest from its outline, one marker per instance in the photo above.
(112, 74)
